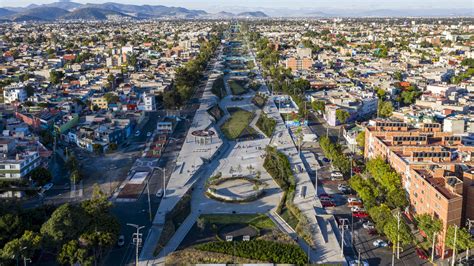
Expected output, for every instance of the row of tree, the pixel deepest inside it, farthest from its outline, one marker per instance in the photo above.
(333, 151)
(76, 234)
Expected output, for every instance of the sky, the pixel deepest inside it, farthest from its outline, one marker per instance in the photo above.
(213, 5)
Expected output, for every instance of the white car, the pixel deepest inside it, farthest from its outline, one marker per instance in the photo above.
(137, 133)
(121, 241)
(353, 199)
(148, 134)
(159, 193)
(357, 209)
(342, 187)
(337, 176)
(380, 243)
(368, 225)
(358, 263)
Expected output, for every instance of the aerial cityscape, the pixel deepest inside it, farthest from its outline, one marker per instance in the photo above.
(237, 132)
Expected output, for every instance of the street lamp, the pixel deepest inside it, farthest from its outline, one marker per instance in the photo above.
(163, 170)
(136, 236)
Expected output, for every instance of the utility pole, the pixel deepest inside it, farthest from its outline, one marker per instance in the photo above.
(454, 246)
(342, 238)
(136, 237)
(469, 224)
(316, 182)
(398, 235)
(433, 247)
(148, 192)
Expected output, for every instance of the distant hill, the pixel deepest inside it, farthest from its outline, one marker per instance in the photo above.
(91, 13)
(39, 14)
(255, 14)
(6, 12)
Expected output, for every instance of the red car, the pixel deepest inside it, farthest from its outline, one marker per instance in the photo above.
(373, 232)
(328, 203)
(421, 253)
(324, 195)
(360, 214)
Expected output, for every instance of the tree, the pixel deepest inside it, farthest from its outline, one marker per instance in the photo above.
(10, 227)
(463, 238)
(385, 108)
(396, 198)
(66, 223)
(171, 99)
(41, 176)
(428, 224)
(319, 106)
(72, 253)
(55, 76)
(381, 93)
(97, 148)
(360, 139)
(24, 246)
(381, 215)
(395, 234)
(342, 115)
(398, 75)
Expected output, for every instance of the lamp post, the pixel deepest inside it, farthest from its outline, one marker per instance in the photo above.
(136, 236)
(163, 170)
(469, 224)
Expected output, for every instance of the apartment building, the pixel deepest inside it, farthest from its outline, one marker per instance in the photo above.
(100, 102)
(297, 64)
(19, 165)
(436, 170)
(14, 93)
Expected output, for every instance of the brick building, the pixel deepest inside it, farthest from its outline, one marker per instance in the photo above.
(437, 170)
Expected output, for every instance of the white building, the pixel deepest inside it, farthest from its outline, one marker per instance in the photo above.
(14, 93)
(149, 103)
(454, 125)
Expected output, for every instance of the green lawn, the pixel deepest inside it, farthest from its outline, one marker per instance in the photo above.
(260, 221)
(237, 87)
(289, 218)
(238, 121)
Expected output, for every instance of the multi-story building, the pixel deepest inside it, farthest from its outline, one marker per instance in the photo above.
(14, 93)
(297, 64)
(19, 165)
(436, 170)
(100, 101)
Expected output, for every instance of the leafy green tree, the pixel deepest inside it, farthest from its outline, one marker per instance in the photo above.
(385, 108)
(394, 233)
(55, 77)
(463, 238)
(172, 99)
(319, 106)
(66, 223)
(41, 176)
(24, 246)
(365, 189)
(72, 253)
(97, 148)
(396, 197)
(360, 139)
(10, 227)
(428, 224)
(381, 94)
(398, 76)
(342, 115)
(380, 215)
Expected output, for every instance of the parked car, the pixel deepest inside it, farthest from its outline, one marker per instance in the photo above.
(380, 243)
(354, 203)
(325, 199)
(328, 203)
(368, 225)
(159, 193)
(341, 187)
(356, 169)
(358, 263)
(48, 186)
(421, 253)
(137, 133)
(373, 232)
(324, 159)
(360, 214)
(357, 209)
(336, 175)
(353, 199)
(121, 241)
(148, 134)
(324, 195)
(342, 222)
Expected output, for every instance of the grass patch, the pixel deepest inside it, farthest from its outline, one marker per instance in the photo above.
(289, 218)
(237, 87)
(259, 250)
(259, 100)
(173, 220)
(238, 122)
(218, 87)
(266, 124)
(260, 221)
